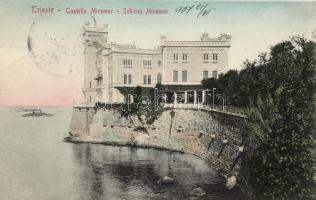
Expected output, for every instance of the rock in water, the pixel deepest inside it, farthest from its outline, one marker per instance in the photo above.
(166, 180)
(198, 192)
(231, 182)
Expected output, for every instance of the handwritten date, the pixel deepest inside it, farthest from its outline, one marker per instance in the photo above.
(200, 10)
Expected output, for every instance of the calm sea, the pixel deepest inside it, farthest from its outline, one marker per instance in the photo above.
(35, 164)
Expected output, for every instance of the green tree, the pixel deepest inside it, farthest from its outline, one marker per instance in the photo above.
(137, 94)
(228, 85)
(278, 92)
(211, 83)
(282, 118)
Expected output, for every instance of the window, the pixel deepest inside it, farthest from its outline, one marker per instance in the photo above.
(159, 78)
(214, 74)
(145, 79)
(205, 57)
(175, 57)
(205, 74)
(175, 76)
(215, 56)
(184, 76)
(184, 57)
(149, 80)
(127, 62)
(147, 63)
(159, 63)
(90, 84)
(125, 79)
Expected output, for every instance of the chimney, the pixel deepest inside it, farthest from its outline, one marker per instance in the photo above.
(205, 37)
(224, 36)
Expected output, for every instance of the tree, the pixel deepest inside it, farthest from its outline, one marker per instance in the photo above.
(278, 92)
(282, 118)
(137, 94)
(211, 83)
(227, 83)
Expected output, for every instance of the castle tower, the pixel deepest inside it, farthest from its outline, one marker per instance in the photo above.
(94, 39)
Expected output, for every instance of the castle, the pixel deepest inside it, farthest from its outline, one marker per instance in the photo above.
(216, 134)
(111, 67)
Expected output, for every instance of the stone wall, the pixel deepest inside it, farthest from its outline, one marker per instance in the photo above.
(81, 121)
(214, 136)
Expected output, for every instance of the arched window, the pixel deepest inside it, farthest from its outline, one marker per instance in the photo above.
(158, 78)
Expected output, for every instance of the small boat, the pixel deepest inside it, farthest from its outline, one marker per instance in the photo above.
(34, 112)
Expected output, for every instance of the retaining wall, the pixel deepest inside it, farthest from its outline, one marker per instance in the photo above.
(216, 137)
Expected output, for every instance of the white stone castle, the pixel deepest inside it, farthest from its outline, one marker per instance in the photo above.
(111, 67)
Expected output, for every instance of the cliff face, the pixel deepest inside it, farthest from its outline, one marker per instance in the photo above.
(217, 137)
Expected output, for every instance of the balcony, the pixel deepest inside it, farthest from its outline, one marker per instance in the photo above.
(99, 77)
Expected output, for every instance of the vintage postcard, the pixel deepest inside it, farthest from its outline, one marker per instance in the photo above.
(159, 100)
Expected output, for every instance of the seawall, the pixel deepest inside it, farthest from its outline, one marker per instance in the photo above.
(217, 137)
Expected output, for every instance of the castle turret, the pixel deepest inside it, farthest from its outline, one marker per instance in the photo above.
(94, 40)
(163, 38)
(94, 34)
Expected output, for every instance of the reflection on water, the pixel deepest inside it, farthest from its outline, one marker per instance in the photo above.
(132, 173)
(35, 164)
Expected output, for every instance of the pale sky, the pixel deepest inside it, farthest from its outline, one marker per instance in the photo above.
(53, 75)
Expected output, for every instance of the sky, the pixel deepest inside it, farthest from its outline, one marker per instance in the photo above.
(48, 70)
